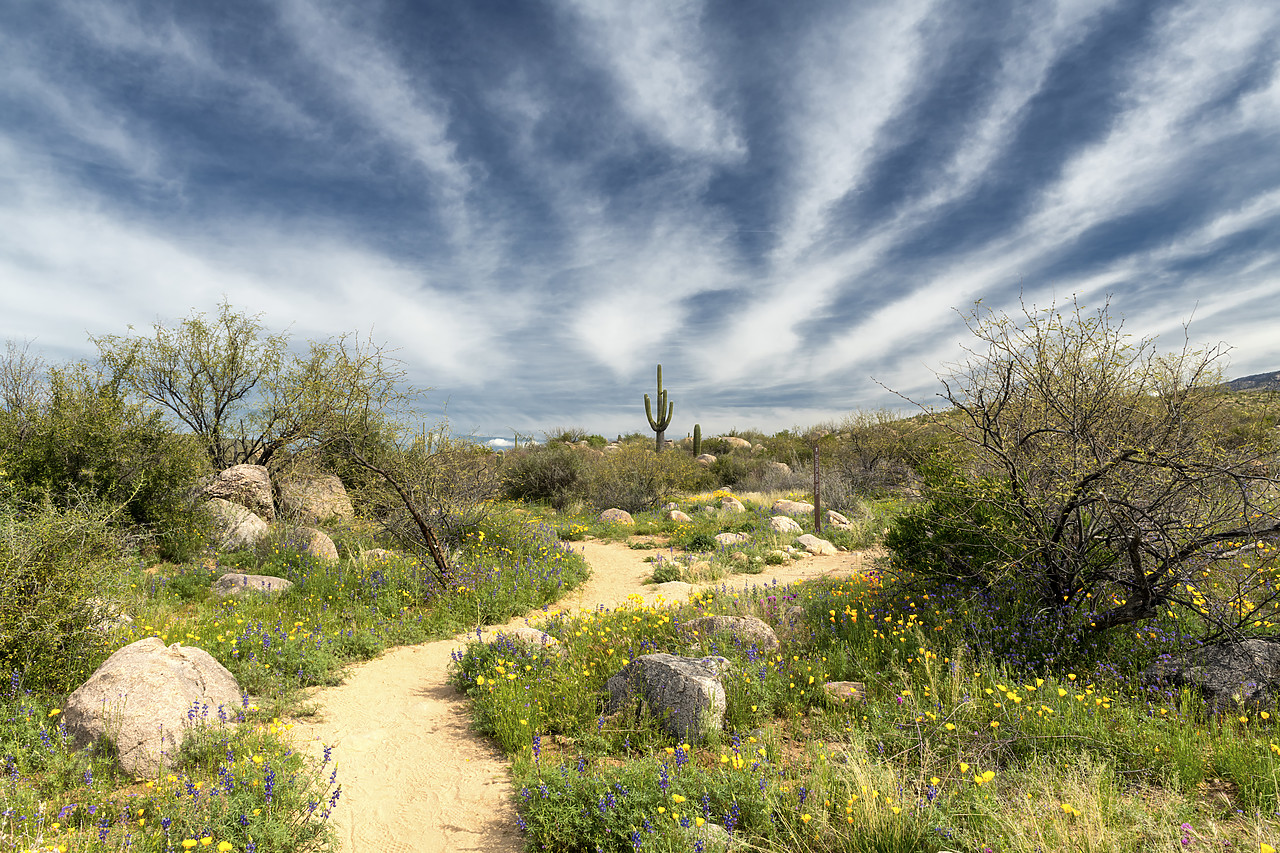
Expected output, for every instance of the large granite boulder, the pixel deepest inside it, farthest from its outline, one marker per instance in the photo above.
(236, 584)
(1229, 675)
(746, 631)
(233, 527)
(736, 443)
(313, 498)
(246, 485)
(146, 698)
(784, 524)
(704, 459)
(313, 543)
(684, 694)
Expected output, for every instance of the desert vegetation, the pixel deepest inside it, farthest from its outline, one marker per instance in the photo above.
(1084, 505)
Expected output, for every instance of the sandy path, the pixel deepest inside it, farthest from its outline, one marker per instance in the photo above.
(413, 776)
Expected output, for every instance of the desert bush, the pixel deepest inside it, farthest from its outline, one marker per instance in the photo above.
(635, 478)
(732, 469)
(553, 473)
(56, 567)
(82, 441)
(1089, 485)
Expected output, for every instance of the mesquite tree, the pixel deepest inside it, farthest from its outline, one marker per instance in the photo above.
(1093, 482)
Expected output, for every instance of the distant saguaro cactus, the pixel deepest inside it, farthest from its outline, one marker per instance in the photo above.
(697, 439)
(663, 421)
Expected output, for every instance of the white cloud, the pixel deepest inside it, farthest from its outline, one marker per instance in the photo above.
(855, 76)
(71, 264)
(657, 55)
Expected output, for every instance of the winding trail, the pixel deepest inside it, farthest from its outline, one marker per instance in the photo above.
(414, 777)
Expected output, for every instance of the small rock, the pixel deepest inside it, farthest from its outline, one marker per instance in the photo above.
(671, 591)
(739, 557)
(677, 515)
(817, 547)
(786, 507)
(726, 539)
(834, 517)
(237, 584)
(784, 524)
(704, 459)
(379, 555)
(732, 504)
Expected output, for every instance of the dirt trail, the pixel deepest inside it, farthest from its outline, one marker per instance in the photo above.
(414, 777)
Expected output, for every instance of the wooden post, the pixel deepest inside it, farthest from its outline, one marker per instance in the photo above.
(817, 493)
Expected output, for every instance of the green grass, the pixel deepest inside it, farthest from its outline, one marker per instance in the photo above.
(945, 752)
(242, 785)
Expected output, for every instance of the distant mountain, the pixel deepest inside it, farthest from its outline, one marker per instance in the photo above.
(1257, 382)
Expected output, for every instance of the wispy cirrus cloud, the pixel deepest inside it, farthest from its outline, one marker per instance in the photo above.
(536, 204)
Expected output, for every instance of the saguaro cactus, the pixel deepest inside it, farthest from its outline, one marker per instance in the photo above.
(697, 439)
(665, 410)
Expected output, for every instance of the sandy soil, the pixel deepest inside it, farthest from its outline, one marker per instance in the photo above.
(413, 775)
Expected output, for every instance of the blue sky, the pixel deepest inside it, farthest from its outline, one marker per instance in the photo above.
(535, 202)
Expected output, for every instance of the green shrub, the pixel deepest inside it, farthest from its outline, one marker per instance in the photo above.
(667, 571)
(55, 572)
(553, 473)
(698, 542)
(84, 442)
(635, 478)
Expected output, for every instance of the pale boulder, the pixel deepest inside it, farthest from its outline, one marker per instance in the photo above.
(746, 631)
(313, 543)
(784, 524)
(233, 527)
(731, 504)
(146, 698)
(314, 498)
(786, 507)
(246, 485)
(618, 516)
(237, 584)
(817, 547)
